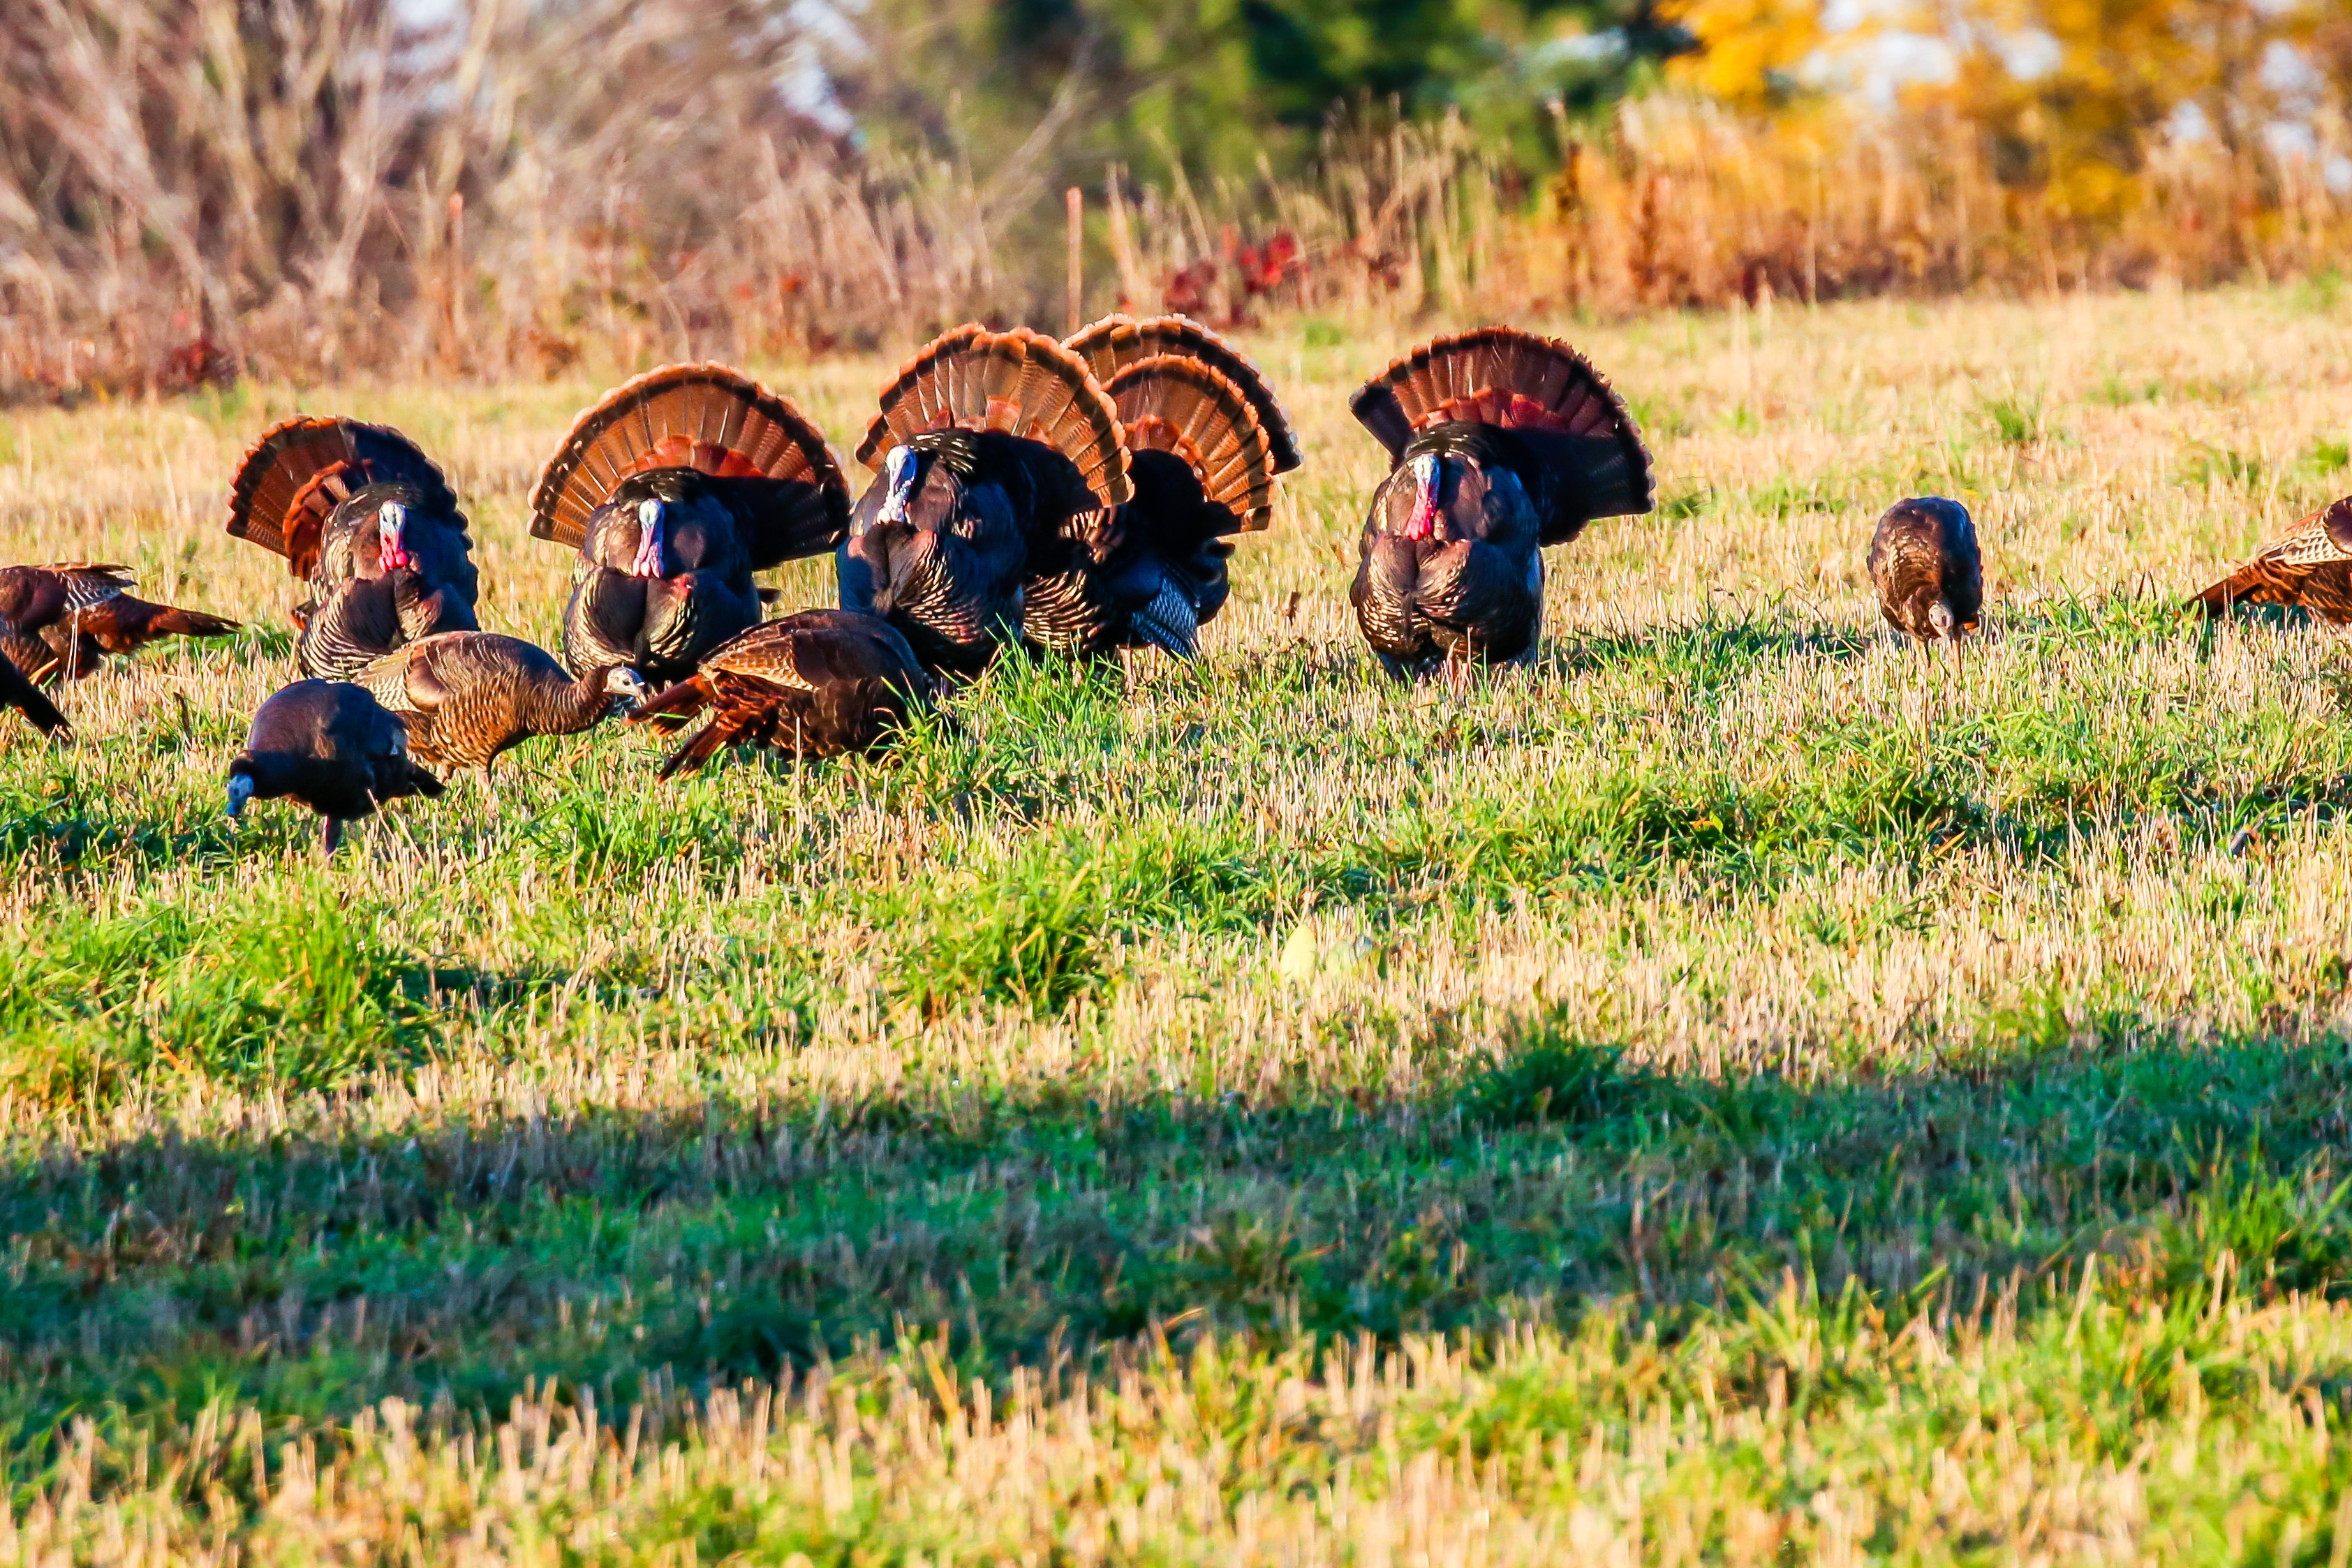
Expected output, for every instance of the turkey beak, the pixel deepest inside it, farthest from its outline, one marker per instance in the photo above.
(392, 549)
(899, 469)
(240, 790)
(1423, 523)
(648, 563)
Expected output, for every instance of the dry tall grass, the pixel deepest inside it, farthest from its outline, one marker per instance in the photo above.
(190, 189)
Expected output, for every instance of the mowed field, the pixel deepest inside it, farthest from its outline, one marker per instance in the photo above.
(1742, 1091)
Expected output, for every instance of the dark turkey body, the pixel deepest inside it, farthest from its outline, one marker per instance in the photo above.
(660, 625)
(1468, 584)
(952, 573)
(332, 747)
(1148, 573)
(359, 611)
(1930, 574)
(17, 691)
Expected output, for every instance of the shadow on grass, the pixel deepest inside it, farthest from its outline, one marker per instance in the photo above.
(1040, 1223)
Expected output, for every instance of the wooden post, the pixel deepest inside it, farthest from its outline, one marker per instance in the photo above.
(1122, 244)
(454, 266)
(1075, 200)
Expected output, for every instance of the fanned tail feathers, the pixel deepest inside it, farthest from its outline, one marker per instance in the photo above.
(1539, 388)
(1115, 343)
(718, 422)
(300, 471)
(1018, 382)
(1185, 406)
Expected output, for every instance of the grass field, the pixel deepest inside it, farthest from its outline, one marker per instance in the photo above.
(1744, 1092)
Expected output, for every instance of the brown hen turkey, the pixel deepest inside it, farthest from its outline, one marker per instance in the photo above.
(59, 623)
(467, 696)
(1930, 574)
(368, 524)
(2309, 567)
(998, 456)
(818, 684)
(1500, 443)
(675, 489)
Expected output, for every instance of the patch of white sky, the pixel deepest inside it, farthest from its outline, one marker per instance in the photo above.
(821, 30)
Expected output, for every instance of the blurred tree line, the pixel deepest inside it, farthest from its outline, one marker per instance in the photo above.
(1235, 88)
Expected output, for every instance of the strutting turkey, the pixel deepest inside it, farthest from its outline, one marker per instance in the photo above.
(817, 684)
(1205, 438)
(466, 697)
(995, 450)
(675, 489)
(332, 746)
(1500, 443)
(60, 622)
(17, 691)
(2308, 566)
(1930, 574)
(366, 520)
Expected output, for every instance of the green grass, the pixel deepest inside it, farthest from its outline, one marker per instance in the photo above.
(1739, 1091)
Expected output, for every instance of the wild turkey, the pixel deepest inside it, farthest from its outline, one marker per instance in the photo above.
(1930, 574)
(995, 450)
(60, 622)
(17, 691)
(1500, 443)
(675, 489)
(1205, 439)
(2309, 566)
(816, 684)
(1153, 570)
(332, 746)
(370, 526)
(465, 697)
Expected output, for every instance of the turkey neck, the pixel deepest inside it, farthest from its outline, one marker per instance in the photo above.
(552, 706)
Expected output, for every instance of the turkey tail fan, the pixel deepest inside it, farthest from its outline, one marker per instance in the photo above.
(1018, 382)
(1174, 404)
(1113, 344)
(1539, 389)
(300, 471)
(762, 450)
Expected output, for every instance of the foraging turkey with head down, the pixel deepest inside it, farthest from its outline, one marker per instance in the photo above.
(675, 489)
(465, 697)
(332, 746)
(366, 520)
(2309, 567)
(817, 684)
(17, 691)
(58, 623)
(1930, 574)
(1205, 439)
(1500, 443)
(995, 451)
